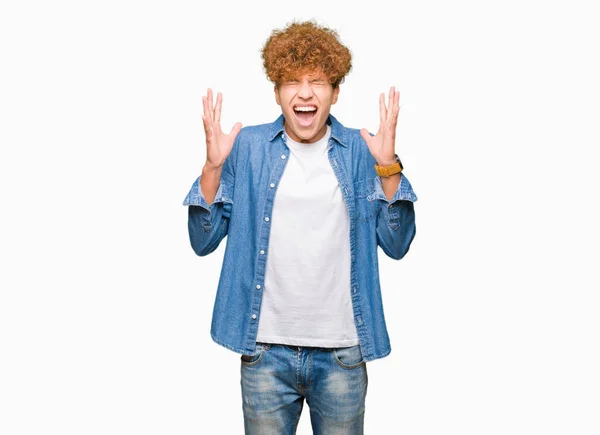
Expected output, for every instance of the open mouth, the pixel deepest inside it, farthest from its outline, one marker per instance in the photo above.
(305, 114)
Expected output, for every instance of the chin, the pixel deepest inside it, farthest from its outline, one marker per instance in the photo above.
(305, 133)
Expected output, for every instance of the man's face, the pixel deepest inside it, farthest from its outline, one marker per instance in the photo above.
(305, 102)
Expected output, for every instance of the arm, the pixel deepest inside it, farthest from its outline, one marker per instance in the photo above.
(210, 198)
(396, 219)
(208, 223)
(390, 185)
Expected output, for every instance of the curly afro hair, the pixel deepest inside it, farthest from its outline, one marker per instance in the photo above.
(305, 46)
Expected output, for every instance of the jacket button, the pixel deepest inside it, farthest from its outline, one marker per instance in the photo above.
(262, 252)
(272, 185)
(254, 316)
(283, 156)
(267, 219)
(258, 286)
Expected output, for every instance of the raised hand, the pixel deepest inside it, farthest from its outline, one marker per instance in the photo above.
(383, 145)
(218, 144)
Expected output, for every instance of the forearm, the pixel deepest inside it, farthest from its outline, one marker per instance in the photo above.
(396, 228)
(208, 224)
(390, 185)
(396, 220)
(207, 230)
(209, 182)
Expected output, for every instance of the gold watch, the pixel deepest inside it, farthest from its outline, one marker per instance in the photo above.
(386, 171)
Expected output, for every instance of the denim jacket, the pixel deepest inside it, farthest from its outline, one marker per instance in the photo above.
(242, 209)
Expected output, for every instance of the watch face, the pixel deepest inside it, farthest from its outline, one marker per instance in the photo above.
(398, 160)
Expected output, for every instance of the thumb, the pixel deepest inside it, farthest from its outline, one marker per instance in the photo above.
(236, 129)
(365, 134)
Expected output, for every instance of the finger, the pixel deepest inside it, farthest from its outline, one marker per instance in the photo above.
(382, 111)
(218, 108)
(207, 111)
(390, 103)
(396, 106)
(207, 127)
(210, 104)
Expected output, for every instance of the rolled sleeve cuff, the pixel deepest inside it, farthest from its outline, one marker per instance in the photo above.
(404, 192)
(394, 209)
(195, 196)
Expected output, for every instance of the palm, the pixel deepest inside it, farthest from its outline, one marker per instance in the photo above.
(218, 144)
(383, 145)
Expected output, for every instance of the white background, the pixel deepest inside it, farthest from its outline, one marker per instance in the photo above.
(105, 309)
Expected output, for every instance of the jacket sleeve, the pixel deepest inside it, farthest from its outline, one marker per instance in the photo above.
(208, 224)
(396, 218)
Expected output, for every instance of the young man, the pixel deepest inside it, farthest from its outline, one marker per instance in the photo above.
(305, 202)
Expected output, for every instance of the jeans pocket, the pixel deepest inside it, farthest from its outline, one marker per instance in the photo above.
(250, 360)
(348, 357)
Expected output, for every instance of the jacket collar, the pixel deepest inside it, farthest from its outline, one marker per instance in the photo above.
(338, 131)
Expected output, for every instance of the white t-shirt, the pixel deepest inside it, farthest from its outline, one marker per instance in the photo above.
(306, 294)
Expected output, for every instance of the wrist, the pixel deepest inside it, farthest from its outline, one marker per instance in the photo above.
(389, 169)
(386, 161)
(211, 169)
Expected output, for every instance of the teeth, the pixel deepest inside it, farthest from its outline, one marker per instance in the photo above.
(305, 109)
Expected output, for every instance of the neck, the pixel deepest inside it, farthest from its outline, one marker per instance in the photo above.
(313, 139)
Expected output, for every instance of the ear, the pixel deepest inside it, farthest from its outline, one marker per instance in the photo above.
(277, 95)
(336, 92)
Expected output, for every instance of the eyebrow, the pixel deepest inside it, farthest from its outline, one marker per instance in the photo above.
(310, 80)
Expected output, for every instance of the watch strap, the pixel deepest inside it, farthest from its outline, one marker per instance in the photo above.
(386, 171)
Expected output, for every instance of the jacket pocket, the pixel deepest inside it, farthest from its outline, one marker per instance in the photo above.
(367, 207)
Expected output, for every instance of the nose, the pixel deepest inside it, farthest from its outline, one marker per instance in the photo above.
(305, 91)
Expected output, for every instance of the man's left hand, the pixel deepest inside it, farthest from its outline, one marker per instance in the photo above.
(383, 145)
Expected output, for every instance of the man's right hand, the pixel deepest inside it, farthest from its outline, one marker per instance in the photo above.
(218, 144)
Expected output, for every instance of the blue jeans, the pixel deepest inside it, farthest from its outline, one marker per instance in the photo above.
(277, 378)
